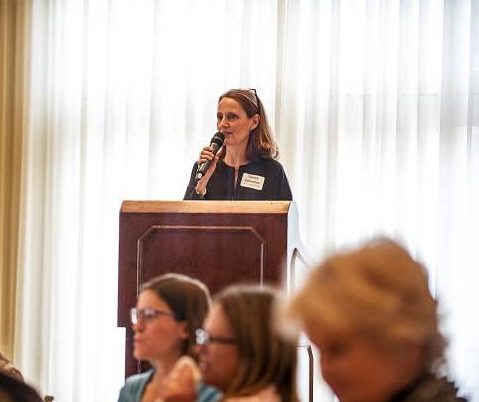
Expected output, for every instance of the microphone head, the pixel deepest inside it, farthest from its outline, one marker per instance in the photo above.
(218, 139)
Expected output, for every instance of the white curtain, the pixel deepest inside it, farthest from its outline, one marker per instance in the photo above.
(375, 105)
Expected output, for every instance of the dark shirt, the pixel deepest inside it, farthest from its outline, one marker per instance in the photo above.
(249, 186)
(429, 388)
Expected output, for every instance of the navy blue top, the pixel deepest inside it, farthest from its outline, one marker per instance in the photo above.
(221, 184)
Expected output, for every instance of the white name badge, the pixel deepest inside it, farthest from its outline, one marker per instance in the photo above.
(252, 181)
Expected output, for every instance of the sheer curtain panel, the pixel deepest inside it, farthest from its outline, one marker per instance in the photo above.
(375, 104)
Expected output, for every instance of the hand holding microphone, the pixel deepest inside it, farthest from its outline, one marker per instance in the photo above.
(209, 157)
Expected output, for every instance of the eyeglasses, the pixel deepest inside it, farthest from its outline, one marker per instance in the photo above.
(147, 314)
(204, 338)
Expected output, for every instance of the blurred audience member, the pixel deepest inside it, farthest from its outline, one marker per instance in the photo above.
(15, 390)
(169, 309)
(371, 315)
(6, 367)
(241, 354)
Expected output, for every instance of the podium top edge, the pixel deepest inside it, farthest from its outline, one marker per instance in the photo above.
(199, 207)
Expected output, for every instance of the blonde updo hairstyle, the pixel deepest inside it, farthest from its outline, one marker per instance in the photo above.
(378, 291)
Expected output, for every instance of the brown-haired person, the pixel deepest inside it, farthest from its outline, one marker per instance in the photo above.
(240, 352)
(169, 309)
(245, 168)
(14, 390)
(375, 323)
(7, 367)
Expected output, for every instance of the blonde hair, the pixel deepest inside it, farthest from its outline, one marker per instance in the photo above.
(378, 291)
(266, 358)
(261, 142)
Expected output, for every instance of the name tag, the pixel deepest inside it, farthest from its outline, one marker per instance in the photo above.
(252, 181)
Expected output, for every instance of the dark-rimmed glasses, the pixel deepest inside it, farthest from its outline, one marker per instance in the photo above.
(204, 338)
(147, 314)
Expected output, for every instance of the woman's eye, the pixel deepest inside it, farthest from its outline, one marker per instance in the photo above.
(228, 116)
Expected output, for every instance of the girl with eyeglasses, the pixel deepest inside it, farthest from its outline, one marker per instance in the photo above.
(169, 309)
(246, 166)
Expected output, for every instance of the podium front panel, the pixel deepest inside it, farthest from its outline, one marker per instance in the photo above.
(192, 250)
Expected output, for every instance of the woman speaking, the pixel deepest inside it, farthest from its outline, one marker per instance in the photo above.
(241, 163)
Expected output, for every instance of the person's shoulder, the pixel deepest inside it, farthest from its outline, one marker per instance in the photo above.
(207, 393)
(433, 389)
(270, 164)
(140, 378)
(443, 390)
(135, 384)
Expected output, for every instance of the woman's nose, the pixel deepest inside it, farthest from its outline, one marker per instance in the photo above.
(223, 122)
(138, 327)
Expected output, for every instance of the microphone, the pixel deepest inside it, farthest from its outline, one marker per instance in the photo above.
(216, 144)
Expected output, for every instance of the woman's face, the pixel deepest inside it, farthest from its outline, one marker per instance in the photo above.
(159, 337)
(219, 361)
(359, 369)
(233, 122)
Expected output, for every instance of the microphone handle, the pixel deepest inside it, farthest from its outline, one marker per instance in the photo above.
(205, 165)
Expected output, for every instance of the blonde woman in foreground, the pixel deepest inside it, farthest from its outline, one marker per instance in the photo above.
(371, 315)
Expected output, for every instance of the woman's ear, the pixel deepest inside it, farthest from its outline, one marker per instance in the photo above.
(255, 121)
(184, 333)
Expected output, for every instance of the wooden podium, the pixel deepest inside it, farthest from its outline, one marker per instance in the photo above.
(218, 242)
